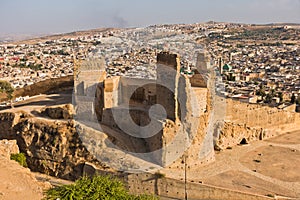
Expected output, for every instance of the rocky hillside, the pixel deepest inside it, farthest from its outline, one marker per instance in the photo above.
(52, 147)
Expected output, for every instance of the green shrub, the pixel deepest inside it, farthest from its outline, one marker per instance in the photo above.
(20, 158)
(98, 187)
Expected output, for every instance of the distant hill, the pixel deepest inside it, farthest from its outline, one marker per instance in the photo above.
(17, 39)
(10, 38)
(23, 38)
(282, 24)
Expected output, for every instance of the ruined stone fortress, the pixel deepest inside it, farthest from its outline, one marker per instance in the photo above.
(158, 120)
(169, 121)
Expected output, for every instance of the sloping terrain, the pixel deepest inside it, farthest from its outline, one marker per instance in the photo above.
(17, 182)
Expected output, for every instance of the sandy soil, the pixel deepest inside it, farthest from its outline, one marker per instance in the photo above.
(40, 101)
(17, 182)
(269, 168)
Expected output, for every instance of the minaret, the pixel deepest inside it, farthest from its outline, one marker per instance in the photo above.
(220, 65)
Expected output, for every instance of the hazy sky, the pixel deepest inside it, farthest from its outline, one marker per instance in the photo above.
(54, 16)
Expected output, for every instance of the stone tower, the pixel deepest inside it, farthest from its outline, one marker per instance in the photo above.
(168, 74)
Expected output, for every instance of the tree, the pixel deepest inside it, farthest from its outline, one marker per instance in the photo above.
(269, 98)
(261, 91)
(8, 89)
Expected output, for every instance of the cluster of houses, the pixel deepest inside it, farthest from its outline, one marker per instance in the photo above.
(254, 71)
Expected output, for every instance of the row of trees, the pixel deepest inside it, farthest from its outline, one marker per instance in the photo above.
(268, 97)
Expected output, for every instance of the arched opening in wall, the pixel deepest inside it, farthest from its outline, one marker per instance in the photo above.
(244, 141)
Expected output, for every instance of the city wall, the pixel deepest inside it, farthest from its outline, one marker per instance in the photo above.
(248, 122)
(49, 86)
(166, 187)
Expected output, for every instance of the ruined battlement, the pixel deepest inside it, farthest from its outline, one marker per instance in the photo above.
(249, 122)
(124, 104)
(167, 59)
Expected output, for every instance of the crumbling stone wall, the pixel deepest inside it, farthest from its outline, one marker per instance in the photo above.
(49, 86)
(185, 128)
(111, 92)
(166, 187)
(197, 80)
(258, 116)
(137, 92)
(168, 73)
(198, 151)
(59, 112)
(249, 122)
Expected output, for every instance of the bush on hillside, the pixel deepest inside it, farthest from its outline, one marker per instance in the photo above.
(20, 158)
(98, 187)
